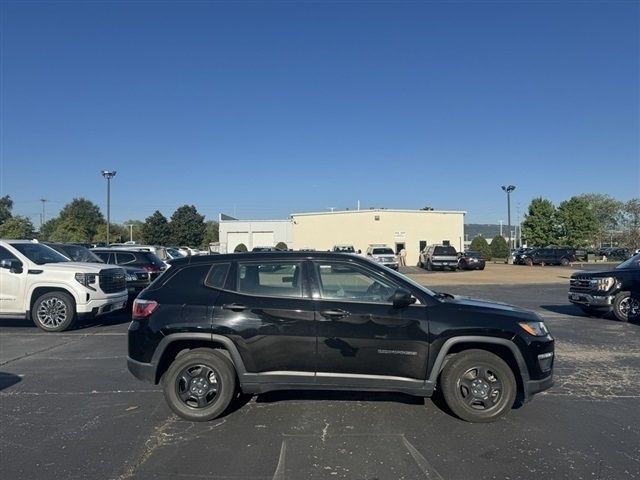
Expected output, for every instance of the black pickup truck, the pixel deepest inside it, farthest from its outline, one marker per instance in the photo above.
(329, 321)
(614, 292)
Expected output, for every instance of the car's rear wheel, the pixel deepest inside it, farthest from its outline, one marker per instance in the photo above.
(528, 262)
(429, 267)
(625, 307)
(478, 386)
(199, 385)
(54, 312)
(564, 261)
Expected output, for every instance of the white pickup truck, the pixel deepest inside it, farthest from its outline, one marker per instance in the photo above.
(39, 283)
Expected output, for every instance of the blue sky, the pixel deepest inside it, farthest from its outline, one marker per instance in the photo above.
(267, 108)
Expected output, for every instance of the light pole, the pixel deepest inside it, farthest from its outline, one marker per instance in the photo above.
(43, 220)
(509, 189)
(108, 174)
(130, 232)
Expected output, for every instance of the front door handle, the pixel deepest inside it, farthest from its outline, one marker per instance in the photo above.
(236, 307)
(333, 314)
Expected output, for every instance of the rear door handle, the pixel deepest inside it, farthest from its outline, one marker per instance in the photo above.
(333, 314)
(236, 307)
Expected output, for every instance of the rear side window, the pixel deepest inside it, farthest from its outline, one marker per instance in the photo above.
(277, 279)
(124, 258)
(153, 259)
(217, 275)
(104, 256)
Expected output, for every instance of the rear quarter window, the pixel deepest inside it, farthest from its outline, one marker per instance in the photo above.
(217, 276)
(185, 285)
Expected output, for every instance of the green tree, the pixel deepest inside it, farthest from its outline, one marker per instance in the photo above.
(187, 226)
(577, 223)
(69, 230)
(539, 225)
(211, 234)
(499, 247)
(46, 231)
(6, 205)
(156, 230)
(608, 213)
(479, 244)
(17, 228)
(631, 223)
(81, 212)
(282, 246)
(117, 233)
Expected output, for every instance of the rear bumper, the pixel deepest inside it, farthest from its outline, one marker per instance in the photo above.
(142, 371)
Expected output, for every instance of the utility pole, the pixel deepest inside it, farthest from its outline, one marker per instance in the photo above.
(108, 174)
(130, 232)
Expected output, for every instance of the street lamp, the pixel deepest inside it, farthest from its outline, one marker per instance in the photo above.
(509, 189)
(108, 174)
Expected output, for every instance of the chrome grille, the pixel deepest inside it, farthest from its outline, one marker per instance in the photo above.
(580, 283)
(112, 280)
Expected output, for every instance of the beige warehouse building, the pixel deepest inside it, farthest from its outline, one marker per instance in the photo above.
(411, 229)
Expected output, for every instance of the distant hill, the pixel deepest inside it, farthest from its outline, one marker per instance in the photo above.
(488, 231)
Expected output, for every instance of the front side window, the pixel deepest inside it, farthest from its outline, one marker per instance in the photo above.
(39, 254)
(104, 256)
(273, 279)
(341, 281)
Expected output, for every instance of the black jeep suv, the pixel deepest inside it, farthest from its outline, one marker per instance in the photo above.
(299, 320)
(614, 291)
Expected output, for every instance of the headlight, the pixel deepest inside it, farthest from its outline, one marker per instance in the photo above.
(535, 329)
(86, 279)
(603, 284)
(130, 277)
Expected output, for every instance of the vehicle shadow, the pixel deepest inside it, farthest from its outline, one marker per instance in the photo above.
(107, 320)
(570, 310)
(8, 380)
(339, 396)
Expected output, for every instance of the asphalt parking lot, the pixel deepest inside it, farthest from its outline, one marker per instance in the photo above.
(69, 409)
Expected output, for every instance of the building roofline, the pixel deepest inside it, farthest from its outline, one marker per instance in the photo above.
(392, 210)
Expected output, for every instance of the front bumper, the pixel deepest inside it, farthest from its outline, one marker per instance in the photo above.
(95, 307)
(591, 300)
(531, 387)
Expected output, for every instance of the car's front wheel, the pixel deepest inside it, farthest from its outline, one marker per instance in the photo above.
(200, 384)
(625, 307)
(54, 312)
(478, 386)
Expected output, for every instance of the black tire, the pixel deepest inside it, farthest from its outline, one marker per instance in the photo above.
(478, 386)
(625, 307)
(54, 312)
(199, 385)
(564, 261)
(481, 268)
(528, 262)
(420, 264)
(429, 267)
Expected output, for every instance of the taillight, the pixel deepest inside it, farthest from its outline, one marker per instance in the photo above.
(151, 268)
(142, 309)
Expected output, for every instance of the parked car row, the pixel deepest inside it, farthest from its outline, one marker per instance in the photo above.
(545, 256)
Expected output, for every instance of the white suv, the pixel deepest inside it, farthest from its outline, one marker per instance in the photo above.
(39, 283)
(383, 254)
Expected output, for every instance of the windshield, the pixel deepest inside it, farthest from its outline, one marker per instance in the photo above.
(78, 253)
(343, 248)
(444, 251)
(633, 262)
(39, 254)
(473, 254)
(382, 251)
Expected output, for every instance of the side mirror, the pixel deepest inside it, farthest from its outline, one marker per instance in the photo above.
(402, 298)
(12, 264)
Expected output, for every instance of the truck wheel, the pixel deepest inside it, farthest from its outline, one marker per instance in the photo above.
(478, 386)
(564, 261)
(625, 307)
(528, 262)
(54, 312)
(429, 267)
(199, 385)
